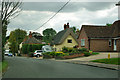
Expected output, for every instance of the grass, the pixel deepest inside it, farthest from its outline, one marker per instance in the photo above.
(95, 53)
(3, 66)
(115, 61)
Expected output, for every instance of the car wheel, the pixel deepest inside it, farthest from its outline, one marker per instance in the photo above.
(38, 55)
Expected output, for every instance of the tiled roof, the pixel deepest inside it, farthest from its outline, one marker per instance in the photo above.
(93, 31)
(31, 40)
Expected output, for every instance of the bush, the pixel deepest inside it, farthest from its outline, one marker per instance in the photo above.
(86, 53)
(73, 51)
(47, 55)
(64, 49)
(83, 49)
(90, 51)
(54, 54)
(27, 48)
(31, 54)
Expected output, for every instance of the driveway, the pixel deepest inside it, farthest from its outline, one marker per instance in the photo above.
(20, 67)
(102, 55)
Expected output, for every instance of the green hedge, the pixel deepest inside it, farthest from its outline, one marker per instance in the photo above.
(27, 48)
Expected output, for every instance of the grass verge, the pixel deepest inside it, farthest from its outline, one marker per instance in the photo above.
(3, 66)
(115, 61)
(95, 53)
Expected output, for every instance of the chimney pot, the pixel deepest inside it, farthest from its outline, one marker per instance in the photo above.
(64, 26)
(30, 34)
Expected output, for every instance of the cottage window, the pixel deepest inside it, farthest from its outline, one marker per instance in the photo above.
(69, 41)
(82, 42)
(110, 42)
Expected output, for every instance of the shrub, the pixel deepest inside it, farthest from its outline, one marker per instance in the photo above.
(47, 55)
(64, 49)
(26, 48)
(31, 54)
(52, 53)
(83, 49)
(59, 54)
(90, 51)
(86, 53)
(70, 49)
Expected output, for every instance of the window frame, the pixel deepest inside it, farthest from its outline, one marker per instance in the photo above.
(82, 43)
(69, 40)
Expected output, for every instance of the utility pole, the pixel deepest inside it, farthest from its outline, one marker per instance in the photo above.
(118, 4)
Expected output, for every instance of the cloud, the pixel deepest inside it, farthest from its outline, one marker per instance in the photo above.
(77, 14)
(70, 7)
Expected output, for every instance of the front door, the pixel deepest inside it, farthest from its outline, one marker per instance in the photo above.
(115, 47)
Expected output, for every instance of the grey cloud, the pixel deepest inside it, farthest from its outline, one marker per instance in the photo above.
(71, 7)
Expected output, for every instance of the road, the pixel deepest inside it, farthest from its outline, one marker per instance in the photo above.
(20, 67)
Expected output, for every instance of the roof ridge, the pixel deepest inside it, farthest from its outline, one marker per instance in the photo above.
(94, 26)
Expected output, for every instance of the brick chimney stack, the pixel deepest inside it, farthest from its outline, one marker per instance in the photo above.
(66, 26)
(30, 34)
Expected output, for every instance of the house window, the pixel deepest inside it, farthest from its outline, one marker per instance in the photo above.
(69, 41)
(82, 42)
(110, 42)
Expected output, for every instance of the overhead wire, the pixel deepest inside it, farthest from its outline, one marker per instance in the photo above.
(53, 15)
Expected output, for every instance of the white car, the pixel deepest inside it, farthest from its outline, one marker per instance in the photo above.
(38, 53)
(47, 48)
(6, 52)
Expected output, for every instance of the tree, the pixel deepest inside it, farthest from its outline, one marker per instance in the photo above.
(74, 29)
(48, 35)
(15, 38)
(9, 10)
(108, 24)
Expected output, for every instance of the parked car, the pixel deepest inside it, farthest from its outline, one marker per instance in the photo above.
(38, 53)
(47, 48)
(10, 54)
(6, 52)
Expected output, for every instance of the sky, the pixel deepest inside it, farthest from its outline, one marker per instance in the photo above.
(35, 14)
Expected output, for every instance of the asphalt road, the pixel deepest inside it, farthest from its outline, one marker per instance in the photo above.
(20, 67)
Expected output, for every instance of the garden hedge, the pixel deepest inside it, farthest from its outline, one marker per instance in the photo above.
(27, 48)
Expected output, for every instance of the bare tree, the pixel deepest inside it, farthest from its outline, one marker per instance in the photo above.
(9, 10)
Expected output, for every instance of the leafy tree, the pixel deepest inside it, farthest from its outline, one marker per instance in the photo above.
(9, 10)
(13, 46)
(74, 29)
(15, 38)
(48, 35)
(108, 24)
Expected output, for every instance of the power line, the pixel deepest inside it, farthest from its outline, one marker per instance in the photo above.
(53, 15)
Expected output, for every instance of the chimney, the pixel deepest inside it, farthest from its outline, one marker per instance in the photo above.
(30, 35)
(66, 26)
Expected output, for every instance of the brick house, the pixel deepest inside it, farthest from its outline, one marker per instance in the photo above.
(100, 38)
